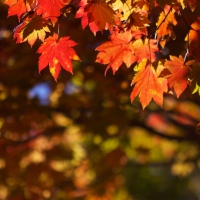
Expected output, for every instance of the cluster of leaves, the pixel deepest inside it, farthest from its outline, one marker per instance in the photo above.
(135, 40)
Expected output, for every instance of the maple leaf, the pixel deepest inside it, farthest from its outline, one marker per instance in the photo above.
(51, 9)
(165, 24)
(31, 29)
(146, 49)
(129, 6)
(138, 21)
(56, 53)
(178, 79)
(117, 51)
(97, 13)
(147, 83)
(19, 7)
(118, 4)
(134, 15)
(193, 38)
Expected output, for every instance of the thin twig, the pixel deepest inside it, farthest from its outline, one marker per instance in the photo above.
(187, 51)
(184, 19)
(58, 28)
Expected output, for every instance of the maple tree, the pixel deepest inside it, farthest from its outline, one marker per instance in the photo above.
(80, 137)
(134, 38)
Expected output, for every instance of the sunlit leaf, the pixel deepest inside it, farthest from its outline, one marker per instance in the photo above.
(165, 24)
(147, 84)
(31, 29)
(117, 51)
(56, 53)
(178, 79)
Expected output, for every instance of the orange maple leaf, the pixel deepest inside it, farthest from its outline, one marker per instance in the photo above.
(56, 53)
(117, 51)
(31, 29)
(179, 72)
(97, 13)
(51, 9)
(146, 49)
(147, 83)
(139, 22)
(132, 14)
(193, 38)
(18, 7)
(165, 24)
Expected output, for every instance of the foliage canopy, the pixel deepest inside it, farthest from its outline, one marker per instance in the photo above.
(136, 39)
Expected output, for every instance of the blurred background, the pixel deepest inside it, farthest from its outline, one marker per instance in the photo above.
(81, 138)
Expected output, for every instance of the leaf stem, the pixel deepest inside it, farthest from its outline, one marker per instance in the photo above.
(184, 19)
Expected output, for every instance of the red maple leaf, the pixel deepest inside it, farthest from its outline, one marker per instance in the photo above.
(117, 51)
(56, 53)
(147, 83)
(193, 37)
(19, 7)
(31, 29)
(97, 13)
(84, 18)
(51, 9)
(179, 72)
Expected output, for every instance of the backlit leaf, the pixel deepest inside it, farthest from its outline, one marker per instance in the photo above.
(19, 7)
(178, 79)
(193, 38)
(147, 84)
(165, 24)
(95, 13)
(117, 51)
(31, 29)
(138, 22)
(51, 9)
(56, 53)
